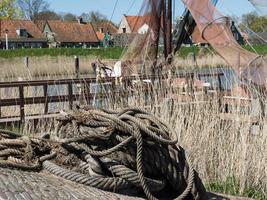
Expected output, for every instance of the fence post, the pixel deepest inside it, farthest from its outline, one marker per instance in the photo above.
(220, 100)
(70, 95)
(77, 67)
(26, 61)
(0, 105)
(22, 104)
(87, 92)
(46, 99)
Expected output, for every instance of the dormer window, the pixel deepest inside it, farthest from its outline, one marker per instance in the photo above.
(22, 33)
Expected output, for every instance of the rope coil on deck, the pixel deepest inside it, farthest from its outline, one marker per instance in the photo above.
(129, 152)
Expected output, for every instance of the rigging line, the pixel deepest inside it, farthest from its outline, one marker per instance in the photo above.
(112, 15)
(174, 8)
(131, 6)
(114, 9)
(254, 33)
(256, 7)
(246, 28)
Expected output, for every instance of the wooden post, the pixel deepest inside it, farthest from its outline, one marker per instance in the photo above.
(164, 28)
(169, 28)
(87, 92)
(26, 61)
(46, 99)
(0, 106)
(70, 91)
(77, 67)
(220, 82)
(22, 104)
(220, 100)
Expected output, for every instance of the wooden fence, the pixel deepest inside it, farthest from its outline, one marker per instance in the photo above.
(45, 99)
(70, 97)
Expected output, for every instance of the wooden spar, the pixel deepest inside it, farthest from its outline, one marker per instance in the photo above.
(164, 27)
(169, 28)
(156, 23)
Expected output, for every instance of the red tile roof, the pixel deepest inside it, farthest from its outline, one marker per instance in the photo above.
(72, 31)
(136, 22)
(13, 25)
(106, 26)
(40, 24)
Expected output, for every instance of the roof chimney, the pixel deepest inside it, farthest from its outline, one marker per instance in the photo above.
(80, 20)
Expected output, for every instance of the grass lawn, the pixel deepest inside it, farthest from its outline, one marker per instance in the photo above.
(232, 187)
(109, 53)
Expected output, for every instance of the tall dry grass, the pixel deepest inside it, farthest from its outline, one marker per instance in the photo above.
(220, 145)
(45, 67)
(63, 66)
(208, 60)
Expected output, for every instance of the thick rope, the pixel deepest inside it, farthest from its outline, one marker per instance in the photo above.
(125, 152)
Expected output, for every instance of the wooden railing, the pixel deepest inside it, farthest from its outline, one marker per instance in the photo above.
(70, 97)
(45, 99)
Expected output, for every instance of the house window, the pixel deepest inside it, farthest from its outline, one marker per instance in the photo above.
(22, 33)
(124, 30)
(101, 30)
(27, 45)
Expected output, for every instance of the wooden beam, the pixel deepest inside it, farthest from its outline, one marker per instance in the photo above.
(169, 27)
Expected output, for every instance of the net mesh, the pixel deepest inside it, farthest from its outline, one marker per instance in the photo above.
(142, 51)
(261, 5)
(216, 30)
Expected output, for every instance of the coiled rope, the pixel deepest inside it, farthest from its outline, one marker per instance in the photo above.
(129, 152)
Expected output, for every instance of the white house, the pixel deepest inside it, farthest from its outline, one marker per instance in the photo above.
(134, 24)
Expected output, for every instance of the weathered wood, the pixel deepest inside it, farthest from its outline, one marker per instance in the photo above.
(46, 99)
(0, 106)
(22, 104)
(16, 185)
(26, 61)
(87, 92)
(70, 95)
(77, 66)
(220, 96)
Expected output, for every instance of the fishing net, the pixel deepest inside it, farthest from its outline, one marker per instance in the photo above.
(261, 5)
(216, 30)
(142, 51)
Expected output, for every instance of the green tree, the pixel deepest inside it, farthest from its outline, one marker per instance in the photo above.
(255, 22)
(260, 25)
(47, 15)
(69, 17)
(8, 9)
(94, 17)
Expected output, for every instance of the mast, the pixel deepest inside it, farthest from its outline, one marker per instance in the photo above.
(167, 26)
(164, 9)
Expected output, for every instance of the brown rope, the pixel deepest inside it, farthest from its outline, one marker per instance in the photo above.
(122, 151)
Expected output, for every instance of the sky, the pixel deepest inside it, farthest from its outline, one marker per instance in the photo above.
(131, 7)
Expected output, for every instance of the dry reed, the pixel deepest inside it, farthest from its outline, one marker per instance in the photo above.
(220, 146)
(45, 67)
